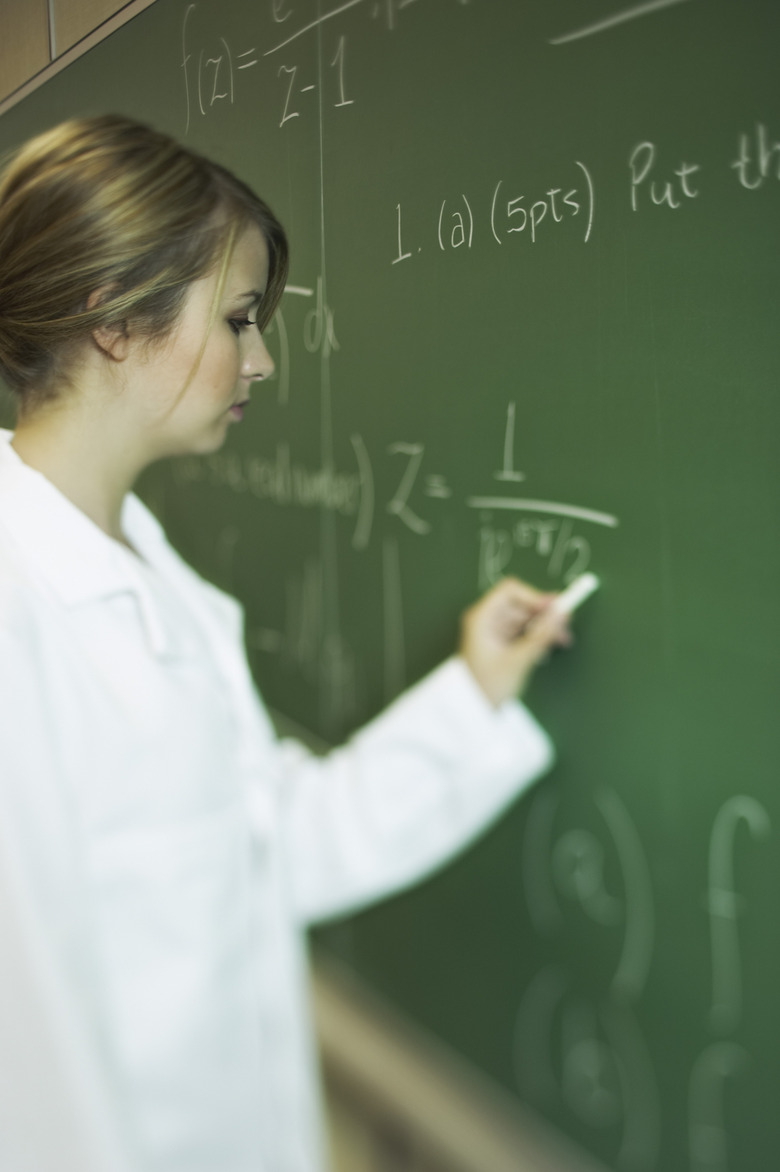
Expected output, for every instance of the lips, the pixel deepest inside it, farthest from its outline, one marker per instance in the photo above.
(237, 410)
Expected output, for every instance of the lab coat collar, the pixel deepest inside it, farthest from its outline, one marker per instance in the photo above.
(76, 560)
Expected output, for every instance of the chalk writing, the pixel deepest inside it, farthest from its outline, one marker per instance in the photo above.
(508, 471)
(708, 1140)
(399, 506)
(436, 486)
(622, 16)
(210, 74)
(509, 215)
(578, 867)
(365, 520)
(515, 215)
(606, 1074)
(548, 529)
(401, 254)
(601, 1052)
(575, 866)
(279, 11)
(670, 192)
(757, 160)
(386, 8)
(304, 642)
(537, 875)
(566, 553)
(452, 232)
(227, 542)
(291, 106)
(590, 1058)
(303, 619)
(290, 71)
(338, 64)
(526, 505)
(393, 624)
(318, 328)
(633, 967)
(725, 906)
(313, 24)
(520, 214)
(277, 479)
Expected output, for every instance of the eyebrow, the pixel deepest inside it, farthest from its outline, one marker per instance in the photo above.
(251, 295)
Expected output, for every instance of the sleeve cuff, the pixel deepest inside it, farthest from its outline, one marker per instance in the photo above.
(506, 745)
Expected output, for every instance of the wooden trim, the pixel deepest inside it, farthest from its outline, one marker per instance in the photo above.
(24, 42)
(104, 30)
(410, 1082)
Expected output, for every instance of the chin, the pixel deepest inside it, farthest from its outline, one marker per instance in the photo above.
(205, 444)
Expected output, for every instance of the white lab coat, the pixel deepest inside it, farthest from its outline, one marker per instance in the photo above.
(170, 851)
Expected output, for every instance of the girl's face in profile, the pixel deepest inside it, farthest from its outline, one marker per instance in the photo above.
(195, 420)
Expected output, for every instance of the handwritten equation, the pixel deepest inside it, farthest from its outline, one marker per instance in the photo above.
(546, 527)
(215, 73)
(211, 67)
(590, 1055)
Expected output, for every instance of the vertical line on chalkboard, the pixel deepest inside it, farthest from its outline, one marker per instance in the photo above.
(332, 698)
(536, 863)
(327, 423)
(395, 648)
(670, 742)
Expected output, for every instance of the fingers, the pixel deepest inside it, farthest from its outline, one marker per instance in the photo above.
(507, 633)
(508, 607)
(548, 629)
(514, 593)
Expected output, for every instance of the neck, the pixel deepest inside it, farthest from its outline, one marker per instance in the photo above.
(90, 460)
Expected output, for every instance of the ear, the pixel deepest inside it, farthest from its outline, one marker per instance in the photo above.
(114, 340)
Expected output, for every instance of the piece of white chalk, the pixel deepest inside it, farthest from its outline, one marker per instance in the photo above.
(576, 593)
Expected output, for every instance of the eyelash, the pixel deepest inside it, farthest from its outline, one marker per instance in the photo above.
(240, 323)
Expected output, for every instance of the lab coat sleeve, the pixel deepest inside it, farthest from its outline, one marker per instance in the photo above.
(414, 786)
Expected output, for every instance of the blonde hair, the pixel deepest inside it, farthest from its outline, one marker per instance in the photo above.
(110, 205)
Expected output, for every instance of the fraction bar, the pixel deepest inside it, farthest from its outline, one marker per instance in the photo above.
(529, 506)
(307, 28)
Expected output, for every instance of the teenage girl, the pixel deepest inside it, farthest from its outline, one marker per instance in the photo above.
(161, 852)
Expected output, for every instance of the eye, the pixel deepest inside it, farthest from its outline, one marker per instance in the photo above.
(237, 324)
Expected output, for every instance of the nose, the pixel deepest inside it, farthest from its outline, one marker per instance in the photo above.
(257, 363)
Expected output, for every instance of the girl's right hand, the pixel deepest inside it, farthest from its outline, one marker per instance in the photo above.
(507, 633)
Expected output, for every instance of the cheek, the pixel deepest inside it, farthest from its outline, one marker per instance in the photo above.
(221, 366)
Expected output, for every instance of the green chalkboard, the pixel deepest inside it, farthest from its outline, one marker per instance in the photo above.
(532, 327)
